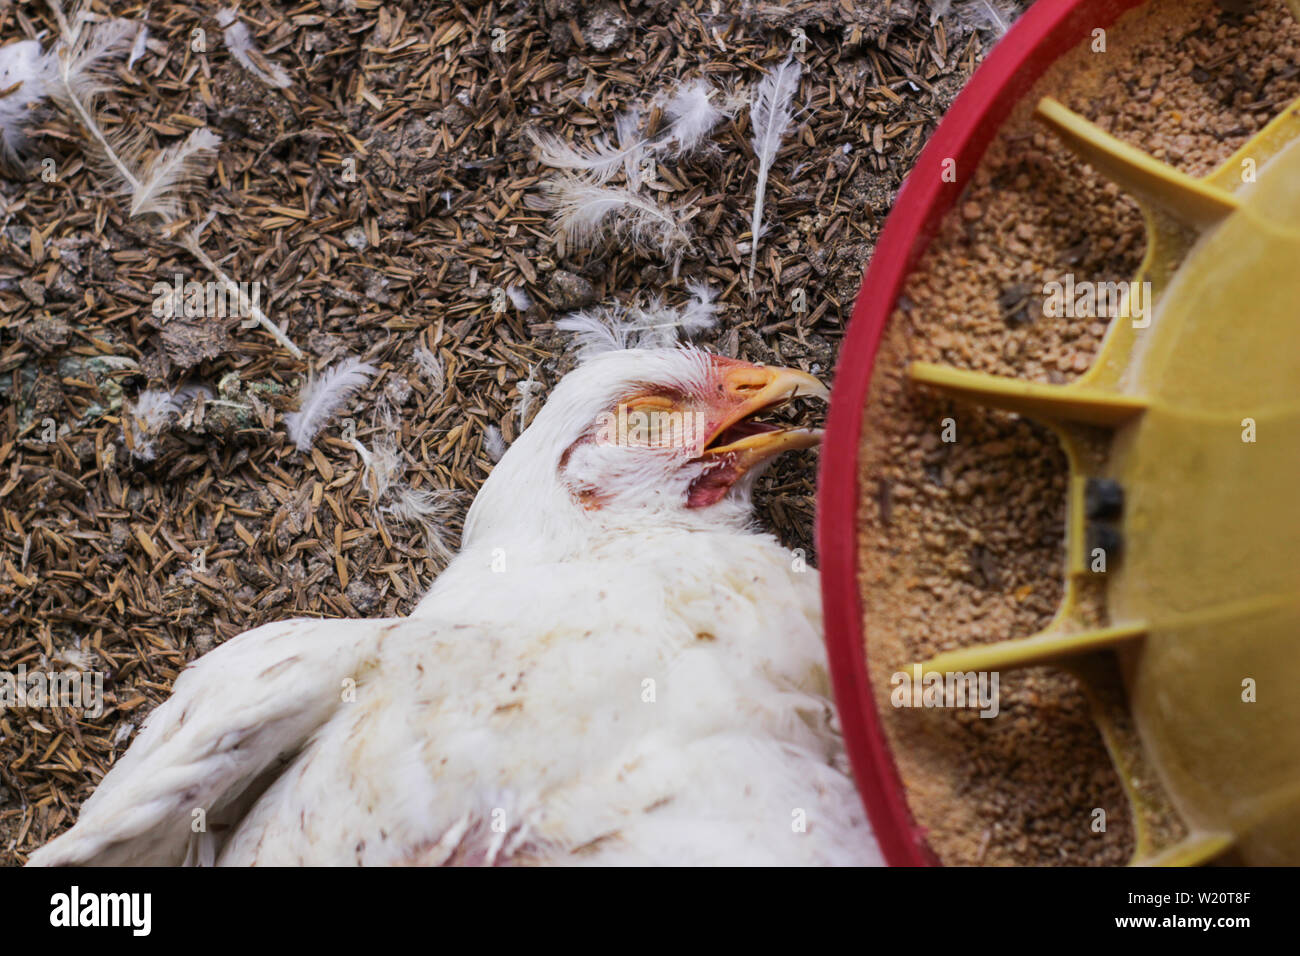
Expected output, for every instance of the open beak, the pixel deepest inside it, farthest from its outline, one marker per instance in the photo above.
(738, 443)
(749, 390)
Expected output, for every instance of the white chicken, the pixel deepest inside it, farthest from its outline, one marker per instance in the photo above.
(616, 669)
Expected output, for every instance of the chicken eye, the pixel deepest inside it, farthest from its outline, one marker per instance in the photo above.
(644, 403)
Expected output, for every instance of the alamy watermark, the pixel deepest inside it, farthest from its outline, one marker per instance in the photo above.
(1098, 300)
(655, 428)
(53, 689)
(206, 300)
(950, 689)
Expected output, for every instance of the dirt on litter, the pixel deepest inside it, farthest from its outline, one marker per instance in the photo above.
(379, 198)
(962, 541)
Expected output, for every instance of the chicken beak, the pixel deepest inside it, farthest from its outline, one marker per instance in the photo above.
(750, 389)
(736, 445)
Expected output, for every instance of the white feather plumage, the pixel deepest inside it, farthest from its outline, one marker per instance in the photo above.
(77, 75)
(494, 444)
(24, 66)
(177, 167)
(586, 212)
(139, 46)
(430, 369)
(527, 388)
(600, 160)
(701, 311)
(992, 16)
(240, 43)
(324, 398)
(427, 510)
(150, 413)
(627, 127)
(631, 326)
(692, 115)
(771, 115)
(81, 55)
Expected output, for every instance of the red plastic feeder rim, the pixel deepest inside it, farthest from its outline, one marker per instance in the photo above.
(1048, 29)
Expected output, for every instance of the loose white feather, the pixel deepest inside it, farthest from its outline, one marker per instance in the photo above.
(81, 54)
(701, 312)
(146, 418)
(518, 297)
(79, 75)
(426, 510)
(586, 212)
(527, 387)
(598, 331)
(430, 368)
(627, 129)
(653, 325)
(150, 413)
(171, 170)
(990, 16)
(771, 116)
(493, 443)
(240, 42)
(601, 160)
(25, 80)
(139, 46)
(393, 498)
(692, 116)
(324, 398)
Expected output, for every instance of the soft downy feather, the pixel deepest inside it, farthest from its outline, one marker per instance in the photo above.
(151, 412)
(82, 51)
(692, 115)
(79, 77)
(25, 73)
(145, 419)
(989, 16)
(140, 46)
(518, 297)
(172, 169)
(324, 398)
(391, 497)
(771, 116)
(627, 129)
(701, 311)
(430, 368)
(527, 387)
(240, 43)
(494, 443)
(587, 212)
(600, 160)
(653, 325)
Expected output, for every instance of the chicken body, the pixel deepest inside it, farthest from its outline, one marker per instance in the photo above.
(650, 695)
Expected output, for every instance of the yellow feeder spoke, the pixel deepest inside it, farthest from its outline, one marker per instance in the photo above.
(1049, 647)
(1187, 199)
(1198, 405)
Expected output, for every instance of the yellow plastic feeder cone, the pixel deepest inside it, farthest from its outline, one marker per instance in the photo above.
(1183, 442)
